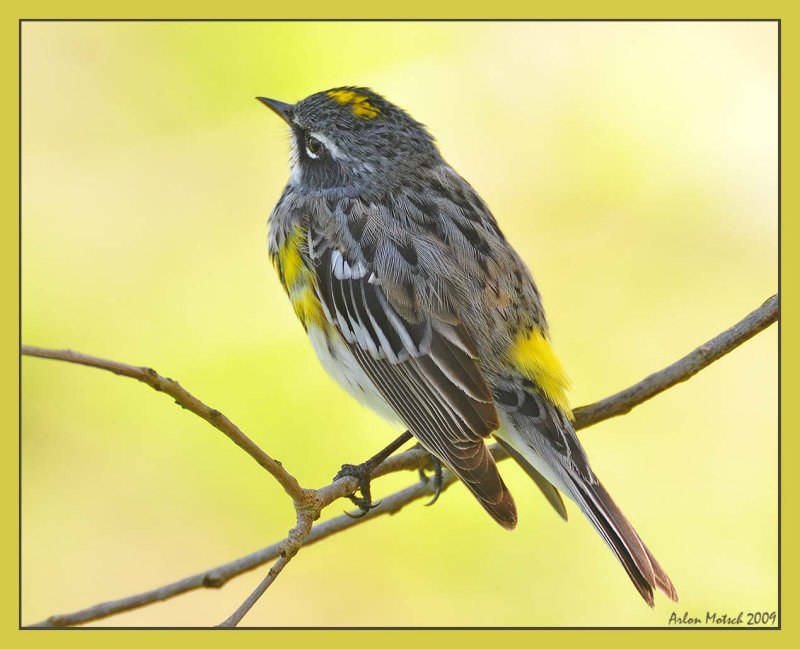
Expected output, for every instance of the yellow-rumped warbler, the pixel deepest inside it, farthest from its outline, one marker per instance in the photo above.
(418, 306)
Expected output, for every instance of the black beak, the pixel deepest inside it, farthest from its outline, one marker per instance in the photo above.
(284, 111)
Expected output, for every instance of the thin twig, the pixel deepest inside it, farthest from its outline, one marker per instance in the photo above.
(681, 370)
(220, 575)
(306, 502)
(289, 548)
(412, 459)
(184, 399)
(253, 597)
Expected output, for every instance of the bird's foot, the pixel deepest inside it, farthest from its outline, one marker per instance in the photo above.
(437, 477)
(363, 473)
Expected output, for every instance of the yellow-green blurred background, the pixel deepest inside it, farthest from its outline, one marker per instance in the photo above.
(633, 165)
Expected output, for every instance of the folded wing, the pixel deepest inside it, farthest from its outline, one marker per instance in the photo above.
(424, 365)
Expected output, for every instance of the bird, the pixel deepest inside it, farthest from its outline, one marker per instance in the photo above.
(419, 307)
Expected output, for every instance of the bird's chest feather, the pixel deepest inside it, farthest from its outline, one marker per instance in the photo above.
(293, 264)
(338, 361)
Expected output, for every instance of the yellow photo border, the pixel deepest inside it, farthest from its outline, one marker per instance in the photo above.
(13, 11)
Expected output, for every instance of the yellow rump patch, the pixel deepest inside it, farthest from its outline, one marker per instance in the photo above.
(359, 103)
(533, 355)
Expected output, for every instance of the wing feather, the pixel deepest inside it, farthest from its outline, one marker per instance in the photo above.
(425, 367)
(443, 432)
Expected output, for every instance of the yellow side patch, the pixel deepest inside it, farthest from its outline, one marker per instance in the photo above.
(533, 355)
(289, 258)
(359, 103)
(298, 280)
(308, 309)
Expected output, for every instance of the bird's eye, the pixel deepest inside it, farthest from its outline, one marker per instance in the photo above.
(313, 146)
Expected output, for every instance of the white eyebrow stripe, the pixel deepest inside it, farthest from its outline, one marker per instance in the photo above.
(334, 150)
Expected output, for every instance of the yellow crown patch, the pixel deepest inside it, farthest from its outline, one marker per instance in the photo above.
(359, 103)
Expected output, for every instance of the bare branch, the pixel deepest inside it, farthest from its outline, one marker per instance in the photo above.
(681, 370)
(289, 548)
(243, 609)
(316, 500)
(185, 400)
(220, 575)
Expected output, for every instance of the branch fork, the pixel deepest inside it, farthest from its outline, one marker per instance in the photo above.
(309, 503)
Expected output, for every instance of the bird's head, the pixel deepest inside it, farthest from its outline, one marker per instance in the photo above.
(348, 139)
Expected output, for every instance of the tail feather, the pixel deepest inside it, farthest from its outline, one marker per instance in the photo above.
(547, 489)
(541, 438)
(642, 568)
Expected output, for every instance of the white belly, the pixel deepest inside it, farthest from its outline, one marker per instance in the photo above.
(341, 365)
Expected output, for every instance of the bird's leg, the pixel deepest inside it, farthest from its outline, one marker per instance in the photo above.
(437, 475)
(363, 472)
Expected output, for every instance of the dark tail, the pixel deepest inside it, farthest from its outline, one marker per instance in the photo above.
(641, 566)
